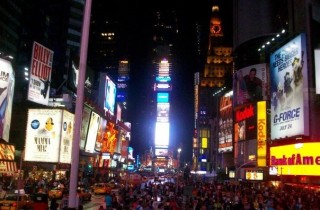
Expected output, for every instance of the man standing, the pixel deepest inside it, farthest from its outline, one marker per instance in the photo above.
(253, 85)
(108, 200)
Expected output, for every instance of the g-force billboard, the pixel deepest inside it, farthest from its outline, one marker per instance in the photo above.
(289, 80)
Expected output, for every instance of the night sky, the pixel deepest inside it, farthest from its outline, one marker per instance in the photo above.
(136, 28)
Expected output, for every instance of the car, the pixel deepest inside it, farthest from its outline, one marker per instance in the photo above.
(101, 188)
(84, 194)
(15, 201)
(56, 192)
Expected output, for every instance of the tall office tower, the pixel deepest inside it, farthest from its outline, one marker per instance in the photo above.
(165, 32)
(10, 13)
(210, 85)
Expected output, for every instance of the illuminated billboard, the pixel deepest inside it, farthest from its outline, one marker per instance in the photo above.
(101, 134)
(250, 84)
(161, 152)
(92, 132)
(43, 135)
(6, 97)
(163, 112)
(225, 124)
(66, 137)
(162, 135)
(254, 175)
(40, 74)
(261, 133)
(162, 97)
(164, 68)
(296, 159)
(245, 133)
(110, 95)
(162, 87)
(86, 113)
(73, 75)
(289, 80)
(163, 79)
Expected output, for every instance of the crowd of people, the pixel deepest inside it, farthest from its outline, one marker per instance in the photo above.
(196, 194)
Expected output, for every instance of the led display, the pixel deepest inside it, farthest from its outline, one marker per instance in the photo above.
(110, 95)
(162, 134)
(162, 97)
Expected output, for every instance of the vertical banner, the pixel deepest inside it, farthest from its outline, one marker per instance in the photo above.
(40, 74)
(6, 97)
(66, 137)
(262, 134)
(289, 89)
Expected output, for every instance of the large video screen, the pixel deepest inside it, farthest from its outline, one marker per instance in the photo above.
(110, 96)
(163, 112)
(162, 134)
(225, 124)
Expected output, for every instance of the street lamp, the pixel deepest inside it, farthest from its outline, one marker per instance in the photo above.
(179, 151)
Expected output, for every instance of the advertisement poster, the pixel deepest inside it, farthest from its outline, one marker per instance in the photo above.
(110, 139)
(40, 74)
(110, 96)
(6, 97)
(250, 84)
(225, 124)
(86, 113)
(43, 135)
(289, 85)
(66, 137)
(92, 132)
(101, 134)
(245, 133)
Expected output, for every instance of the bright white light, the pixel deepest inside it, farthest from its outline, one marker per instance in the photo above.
(162, 134)
(298, 145)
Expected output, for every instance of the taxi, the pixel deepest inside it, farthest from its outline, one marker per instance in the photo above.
(84, 194)
(56, 193)
(16, 201)
(101, 188)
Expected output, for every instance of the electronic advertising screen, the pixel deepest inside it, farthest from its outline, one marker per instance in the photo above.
(163, 79)
(254, 175)
(289, 82)
(161, 152)
(250, 84)
(163, 112)
(162, 97)
(162, 134)
(110, 95)
(162, 87)
(225, 124)
(245, 132)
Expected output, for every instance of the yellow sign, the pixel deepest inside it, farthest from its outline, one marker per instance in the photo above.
(261, 134)
(296, 159)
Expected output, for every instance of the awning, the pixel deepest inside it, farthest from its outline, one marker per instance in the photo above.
(8, 167)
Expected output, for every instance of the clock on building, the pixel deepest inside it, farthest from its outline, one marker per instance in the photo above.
(215, 29)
